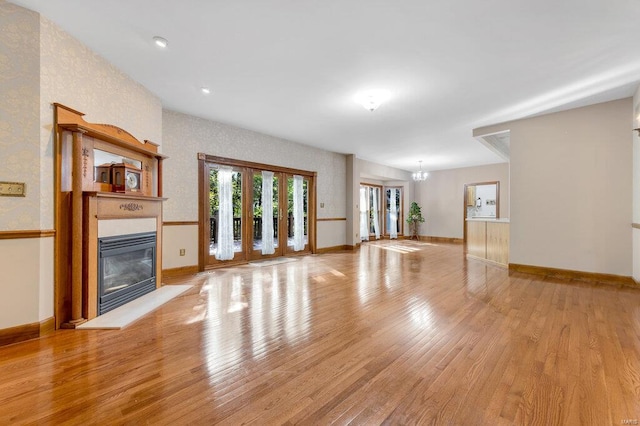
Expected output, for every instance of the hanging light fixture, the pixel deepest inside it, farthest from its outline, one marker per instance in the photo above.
(420, 175)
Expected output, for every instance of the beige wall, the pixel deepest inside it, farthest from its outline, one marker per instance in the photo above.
(441, 197)
(571, 189)
(636, 254)
(636, 186)
(352, 196)
(332, 233)
(175, 238)
(20, 303)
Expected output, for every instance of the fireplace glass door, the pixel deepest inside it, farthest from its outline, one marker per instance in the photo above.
(126, 269)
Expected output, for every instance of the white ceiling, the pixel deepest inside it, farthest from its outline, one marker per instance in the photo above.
(290, 68)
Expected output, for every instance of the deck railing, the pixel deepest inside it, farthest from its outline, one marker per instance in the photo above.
(257, 228)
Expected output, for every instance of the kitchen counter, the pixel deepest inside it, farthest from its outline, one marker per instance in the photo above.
(488, 218)
(488, 240)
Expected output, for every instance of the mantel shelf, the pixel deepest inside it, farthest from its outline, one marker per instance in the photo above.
(121, 195)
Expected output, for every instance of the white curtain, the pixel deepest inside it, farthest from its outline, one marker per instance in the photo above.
(225, 220)
(393, 214)
(267, 213)
(298, 214)
(376, 220)
(364, 214)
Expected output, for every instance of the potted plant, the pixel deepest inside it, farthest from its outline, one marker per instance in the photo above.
(413, 219)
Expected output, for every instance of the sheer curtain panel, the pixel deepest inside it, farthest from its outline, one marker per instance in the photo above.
(267, 213)
(298, 214)
(364, 214)
(393, 214)
(225, 224)
(375, 207)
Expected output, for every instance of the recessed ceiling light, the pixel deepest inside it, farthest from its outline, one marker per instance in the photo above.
(206, 90)
(371, 99)
(160, 42)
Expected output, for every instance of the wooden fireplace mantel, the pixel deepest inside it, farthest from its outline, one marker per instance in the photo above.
(82, 201)
(105, 205)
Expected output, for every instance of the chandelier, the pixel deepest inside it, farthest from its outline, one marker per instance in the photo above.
(420, 175)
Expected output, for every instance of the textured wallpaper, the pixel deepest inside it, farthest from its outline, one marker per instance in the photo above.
(75, 76)
(184, 136)
(19, 115)
(41, 64)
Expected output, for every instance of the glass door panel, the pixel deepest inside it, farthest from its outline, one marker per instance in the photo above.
(236, 190)
(257, 240)
(218, 208)
(290, 214)
(374, 211)
(365, 213)
(398, 209)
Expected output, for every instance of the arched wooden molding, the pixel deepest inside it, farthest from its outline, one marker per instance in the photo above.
(70, 119)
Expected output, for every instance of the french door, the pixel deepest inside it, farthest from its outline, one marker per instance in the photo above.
(393, 210)
(265, 203)
(370, 214)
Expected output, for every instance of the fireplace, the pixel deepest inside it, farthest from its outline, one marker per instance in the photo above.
(126, 269)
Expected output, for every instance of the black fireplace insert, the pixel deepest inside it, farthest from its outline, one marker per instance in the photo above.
(126, 269)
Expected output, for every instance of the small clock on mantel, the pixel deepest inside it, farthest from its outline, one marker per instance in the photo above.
(125, 178)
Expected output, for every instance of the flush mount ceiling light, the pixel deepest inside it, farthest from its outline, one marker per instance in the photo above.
(205, 90)
(160, 42)
(372, 99)
(420, 175)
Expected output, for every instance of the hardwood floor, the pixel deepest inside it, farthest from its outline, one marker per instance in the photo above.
(395, 333)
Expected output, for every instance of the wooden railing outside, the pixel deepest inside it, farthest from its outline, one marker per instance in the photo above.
(257, 228)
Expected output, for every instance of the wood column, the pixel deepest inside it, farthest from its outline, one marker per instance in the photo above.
(77, 317)
(159, 177)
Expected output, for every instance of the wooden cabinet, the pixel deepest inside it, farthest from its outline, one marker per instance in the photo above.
(471, 196)
(498, 242)
(488, 240)
(477, 239)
